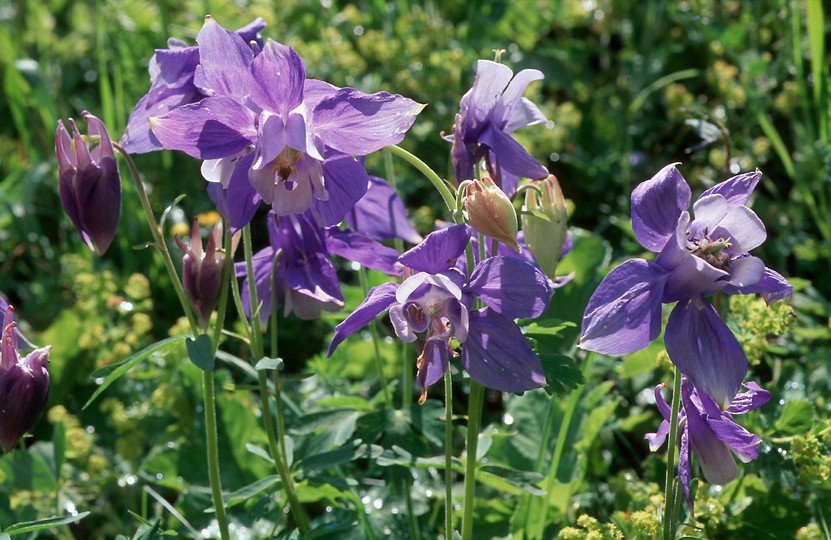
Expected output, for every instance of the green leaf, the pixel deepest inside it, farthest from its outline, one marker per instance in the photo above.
(560, 372)
(113, 372)
(510, 480)
(59, 446)
(200, 352)
(797, 417)
(43, 524)
(348, 452)
(249, 491)
(269, 363)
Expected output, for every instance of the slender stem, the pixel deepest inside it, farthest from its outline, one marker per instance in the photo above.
(669, 517)
(431, 175)
(209, 393)
(474, 419)
(448, 455)
(376, 339)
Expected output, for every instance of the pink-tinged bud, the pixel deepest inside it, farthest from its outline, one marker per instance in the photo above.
(544, 223)
(490, 212)
(24, 386)
(89, 183)
(202, 270)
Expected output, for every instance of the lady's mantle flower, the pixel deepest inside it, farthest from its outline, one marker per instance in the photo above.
(298, 262)
(272, 135)
(437, 302)
(710, 432)
(696, 258)
(24, 385)
(89, 183)
(488, 113)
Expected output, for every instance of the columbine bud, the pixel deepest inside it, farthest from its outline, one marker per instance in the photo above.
(544, 223)
(89, 182)
(490, 212)
(202, 270)
(24, 386)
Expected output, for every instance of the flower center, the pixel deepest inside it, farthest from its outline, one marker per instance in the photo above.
(284, 164)
(711, 251)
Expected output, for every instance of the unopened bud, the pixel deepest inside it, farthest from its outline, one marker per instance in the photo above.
(544, 223)
(490, 212)
(24, 386)
(202, 270)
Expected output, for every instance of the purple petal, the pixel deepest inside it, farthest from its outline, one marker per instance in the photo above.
(380, 214)
(364, 250)
(755, 397)
(212, 128)
(525, 113)
(736, 190)
(378, 300)
(772, 287)
(744, 228)
(656, 440)
(280, 75)
(745, 444)
(745, 271)
(315, 91)
(511, 99)
(358, 124)
(511, 286)
(241, 200)
(705, 350)
(685, 467)
(224, 62)
(346, 182)
(624, 313)
(497, 355)
(432, 362)
(510, 155)
(438, 251)
(138, 138)
(715, 458)
(6, 317)
(656, 206)
(491, 81)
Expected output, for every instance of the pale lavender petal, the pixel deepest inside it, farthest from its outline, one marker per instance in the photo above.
(224, 62)
(497, 355)
(511, 98)
(755, 397)
(525, 113)
(358, 124)
(212, 128)
(657, 205)
(745, 271)
(736, 190)
(364, 250)
(346, 182)
(656, 440)
(405, 328)
(510, 155)
(432, 363)
(271, 140)
(624, 313)
(705, 350)
(138, 138)
(241, 199)
(744, 228)
(443, 286)
(378, 300)
(280, 75)
(714, 456)
(438, 251)
(708, 212)
(772, 287)
(315, 91)
(511, 286)
(491, 80)
(380, 214)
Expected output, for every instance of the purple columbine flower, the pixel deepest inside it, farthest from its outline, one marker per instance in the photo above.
(305, 277)
(488, 113)
(437, 303)
(24, 385)
(171, 86)
(269, 134)
(710, 433)
(380, 214)
(696, 258)
(90, 185)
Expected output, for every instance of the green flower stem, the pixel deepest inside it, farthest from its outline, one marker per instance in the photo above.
(373, 330)
(209, 393)
(448, 454)
(438, 183)
(474, 419)
(669, 492)
(276, 442)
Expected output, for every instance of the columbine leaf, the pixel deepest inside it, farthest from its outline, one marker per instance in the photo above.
(200, 352)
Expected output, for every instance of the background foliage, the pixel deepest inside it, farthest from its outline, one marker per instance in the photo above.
(630, 86)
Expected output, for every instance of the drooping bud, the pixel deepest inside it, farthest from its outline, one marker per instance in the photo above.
(89, 182)
(24, 385)
(544, 223)
(490, 212)
(202, 270)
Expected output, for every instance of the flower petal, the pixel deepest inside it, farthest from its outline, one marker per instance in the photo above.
(364, 250)
(744, 228)
(755, 397)
(241, 199)
(745, 444)
(380, 214)
(497, 355)
(378, 300)
(705, 350)
(224, 62)
(432, 362)
(280, 75)
(438, 251)
(212, 128)
(656, 206)
(511, 286)
(358, 124)
(772, 287)
(716, 461)
(510, 155)
(346, 182)
(736, 190)
(624, 313)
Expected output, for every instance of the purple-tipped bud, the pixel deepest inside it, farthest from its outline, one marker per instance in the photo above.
(89, 183)
(202, 270)
(24, 386)
(544, 223)
(490, 212)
